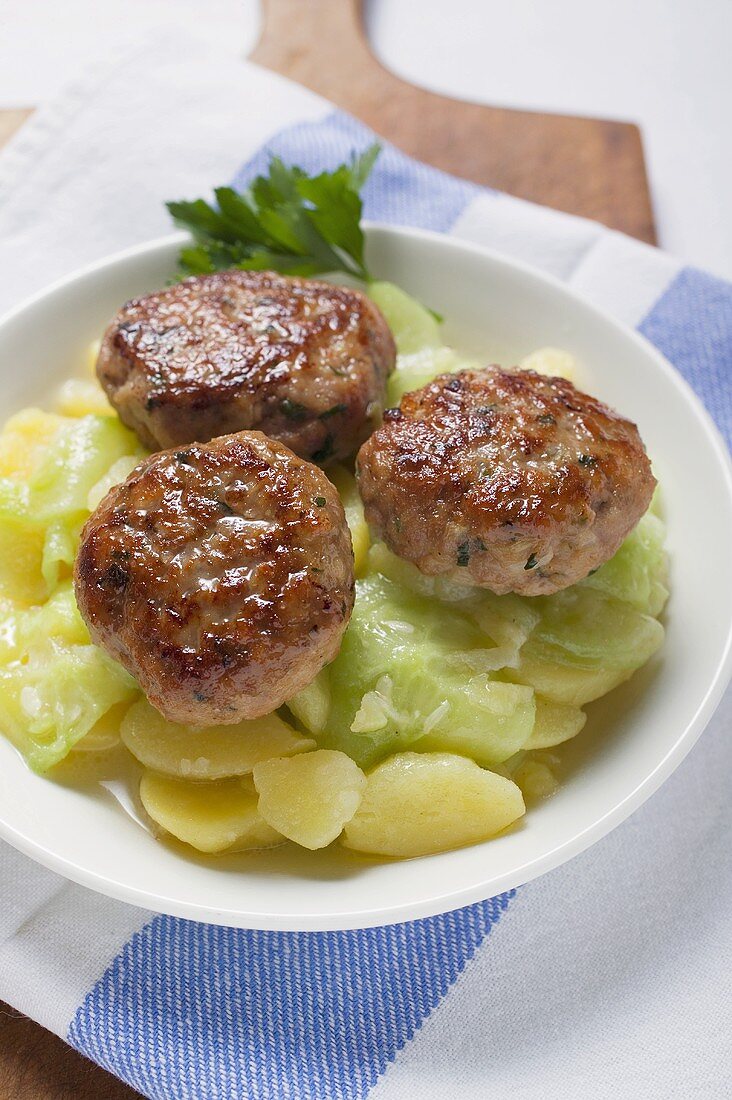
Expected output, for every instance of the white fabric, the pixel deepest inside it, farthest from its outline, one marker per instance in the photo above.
(90, 173)
(607, 978)
(63, 937)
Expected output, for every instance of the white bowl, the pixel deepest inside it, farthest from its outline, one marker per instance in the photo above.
(634, 738)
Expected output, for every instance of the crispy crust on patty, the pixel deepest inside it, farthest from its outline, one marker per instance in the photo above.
(303, 361)
(220, 575)
(504, 478)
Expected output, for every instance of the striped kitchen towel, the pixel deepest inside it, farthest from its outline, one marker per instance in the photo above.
(606, 978)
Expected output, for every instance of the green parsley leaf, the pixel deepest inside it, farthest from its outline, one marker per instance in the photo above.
(285, 221)
(293, 410)
(324, 452)
(334, 410)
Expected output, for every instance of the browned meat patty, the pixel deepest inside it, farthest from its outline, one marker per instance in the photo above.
(302, 361)
(220, 575)
(504, 479)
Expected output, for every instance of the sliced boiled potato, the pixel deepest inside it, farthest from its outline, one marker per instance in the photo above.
(416, 804)
(345, 483)
(92, 354)
(309, 798)
(564, 683)
(81, 396)
(212, 817)
(213, 752)
(554, 723)
(536, 780)
(104, 734)
(21, 564)
(551, 361)
(23, 442)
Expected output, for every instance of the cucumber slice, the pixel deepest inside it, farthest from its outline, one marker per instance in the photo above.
(81, 454)
(21, 563)
(345, 483)
(420, 367)
(311, 706)
(395, 681)
(48, 464)
(510, 705)
(412, 326)
(585, 628)
(55, 685)
(405, 575)
(421, 353)
(52, 701)
(638, 572)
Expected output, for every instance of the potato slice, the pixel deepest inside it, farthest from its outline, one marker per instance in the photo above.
(310, 798)
(551, 361)
(21, 563)
(564, 684)
(104, 734)
(212, 817)
(554, 723)
(80, 396)
(92, 354)
(416, 804)
(23, 442)
(213, 752)
(536, 780)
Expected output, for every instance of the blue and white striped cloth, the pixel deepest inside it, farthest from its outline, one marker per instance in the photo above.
(606, 978)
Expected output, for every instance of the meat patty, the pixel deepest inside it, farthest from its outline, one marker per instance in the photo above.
(220, 575)
(505, 479)
(302, 361)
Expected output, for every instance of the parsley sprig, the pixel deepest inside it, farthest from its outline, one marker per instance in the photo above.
(285, 221)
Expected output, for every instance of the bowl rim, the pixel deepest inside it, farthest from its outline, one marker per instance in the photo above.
(436, 902)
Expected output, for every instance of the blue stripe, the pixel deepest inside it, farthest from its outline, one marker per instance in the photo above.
(400, 191)
(204, 1013)
(691, 324)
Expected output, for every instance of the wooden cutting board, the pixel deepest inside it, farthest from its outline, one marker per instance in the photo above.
(585, 166)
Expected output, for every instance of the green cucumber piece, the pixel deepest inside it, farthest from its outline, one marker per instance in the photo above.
(412, 326)
(396, 680)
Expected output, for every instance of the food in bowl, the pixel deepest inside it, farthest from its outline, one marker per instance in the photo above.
(255, 658)
(435, 724)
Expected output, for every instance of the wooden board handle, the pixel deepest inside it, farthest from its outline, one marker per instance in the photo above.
(302, 35)
(586, 166)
